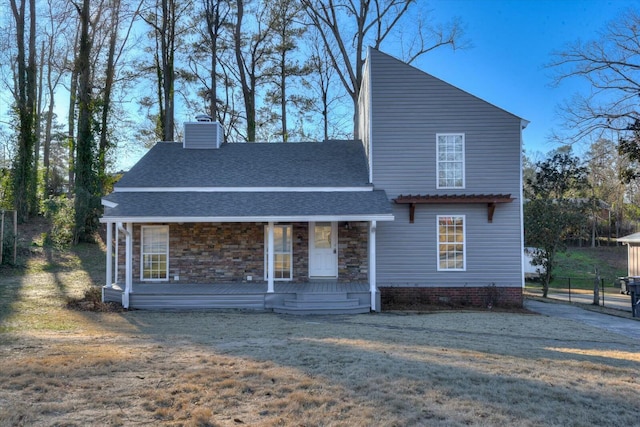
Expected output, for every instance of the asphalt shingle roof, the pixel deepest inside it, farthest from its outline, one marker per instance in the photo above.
(218, 205)
(174, 183)
(308, 164)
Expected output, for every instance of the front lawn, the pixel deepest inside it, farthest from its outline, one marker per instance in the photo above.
(60, 366)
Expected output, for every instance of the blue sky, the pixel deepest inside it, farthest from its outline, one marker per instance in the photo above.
(512, 41)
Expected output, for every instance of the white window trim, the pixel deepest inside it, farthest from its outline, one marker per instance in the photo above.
(142, 230)
(464, 172)
(464, 242)
(290, 252)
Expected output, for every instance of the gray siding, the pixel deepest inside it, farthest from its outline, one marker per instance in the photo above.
(202, 135)
(409, 107)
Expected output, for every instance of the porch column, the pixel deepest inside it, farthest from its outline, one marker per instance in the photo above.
(109, 279)
(117, 252)
(128, 279)
(372, 265)
(270, 258)
(129, 262)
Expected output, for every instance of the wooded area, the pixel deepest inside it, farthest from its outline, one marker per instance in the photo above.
(283, 70)
(81, 79)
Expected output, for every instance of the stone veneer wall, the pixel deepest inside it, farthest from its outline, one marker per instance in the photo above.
(397, 298)
(353, 247)
(230, 252)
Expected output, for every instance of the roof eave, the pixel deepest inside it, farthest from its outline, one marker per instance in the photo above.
(284, 218)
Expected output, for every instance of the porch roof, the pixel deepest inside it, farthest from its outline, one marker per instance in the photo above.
(631, 238)
(264, 206)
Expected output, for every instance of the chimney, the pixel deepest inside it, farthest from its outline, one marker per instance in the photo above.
(203, 133)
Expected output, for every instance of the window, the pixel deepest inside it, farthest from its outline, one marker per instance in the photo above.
(451, 243)
(282, 253)
(450, 165)
(155, 253)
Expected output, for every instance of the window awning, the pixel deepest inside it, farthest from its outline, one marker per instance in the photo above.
(490, 199)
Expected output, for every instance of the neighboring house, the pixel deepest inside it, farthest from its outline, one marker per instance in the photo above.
(426, 208)
(531, 270)
(633, 253)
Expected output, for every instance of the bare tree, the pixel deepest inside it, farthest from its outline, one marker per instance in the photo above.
(610, 64)
(604, 165)
(55, 67)
(216, 13)
(346, 25)
(85, 202)
(117, 39)
(165, 17)
(252, 43)
(320, 83)
(285, 19)
(25, 95)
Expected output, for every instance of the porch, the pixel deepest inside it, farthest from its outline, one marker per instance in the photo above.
(315, 297)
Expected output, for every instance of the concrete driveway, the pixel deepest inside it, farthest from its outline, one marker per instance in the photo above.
(620, 325)
(611, 299)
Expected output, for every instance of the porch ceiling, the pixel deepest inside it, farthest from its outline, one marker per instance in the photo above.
(247, 206)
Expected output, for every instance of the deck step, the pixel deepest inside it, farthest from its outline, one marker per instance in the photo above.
(321, 303)
(321, 296)
(340, 303)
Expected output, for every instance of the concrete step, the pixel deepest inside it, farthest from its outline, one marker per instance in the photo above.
(339, 303)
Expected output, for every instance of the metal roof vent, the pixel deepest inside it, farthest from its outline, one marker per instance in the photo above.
(204, 118)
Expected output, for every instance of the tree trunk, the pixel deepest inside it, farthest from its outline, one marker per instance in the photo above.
(212, 14)
(247, 83)
(73, 93)
(85, 180)
(23, 168)
(167, 44)
(32, 101)
(103, 146)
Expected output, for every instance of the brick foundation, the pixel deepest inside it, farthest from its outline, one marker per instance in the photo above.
(416, 297)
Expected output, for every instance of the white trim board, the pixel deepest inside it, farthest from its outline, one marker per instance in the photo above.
(319, 218)
(239, 189)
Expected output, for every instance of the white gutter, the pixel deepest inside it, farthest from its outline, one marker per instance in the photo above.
(241, 189)
(321, 218)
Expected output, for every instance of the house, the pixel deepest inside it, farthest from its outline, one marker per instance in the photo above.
(425, 208)
(633, 253)
(531, 270)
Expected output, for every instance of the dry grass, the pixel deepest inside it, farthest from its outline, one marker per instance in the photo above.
(67, 367)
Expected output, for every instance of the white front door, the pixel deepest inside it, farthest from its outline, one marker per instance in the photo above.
(323, 249)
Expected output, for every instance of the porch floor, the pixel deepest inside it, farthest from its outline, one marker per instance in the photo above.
(314, 297)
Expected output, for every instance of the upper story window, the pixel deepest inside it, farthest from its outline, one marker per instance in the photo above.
(155, 253)
(450, 164)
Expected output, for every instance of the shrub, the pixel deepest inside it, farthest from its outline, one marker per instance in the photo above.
(61, 212)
